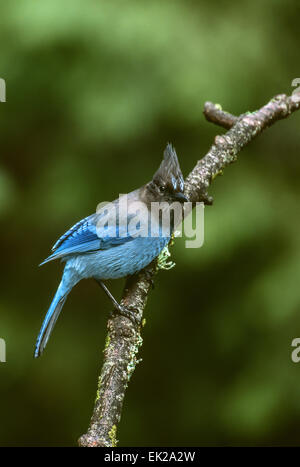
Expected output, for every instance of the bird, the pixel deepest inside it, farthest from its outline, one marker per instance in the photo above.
(97, 248)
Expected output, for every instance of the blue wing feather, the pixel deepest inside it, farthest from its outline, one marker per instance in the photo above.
(81, 226)
(85, 237)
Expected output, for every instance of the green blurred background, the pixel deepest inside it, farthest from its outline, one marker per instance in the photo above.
(95, 89)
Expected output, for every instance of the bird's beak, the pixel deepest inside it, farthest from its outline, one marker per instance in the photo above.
(180, 197)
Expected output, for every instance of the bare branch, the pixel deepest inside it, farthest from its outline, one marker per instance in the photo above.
(214, 113)
(123, 338)
(122, 344)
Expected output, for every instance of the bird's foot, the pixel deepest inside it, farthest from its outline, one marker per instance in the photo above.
(123, 311)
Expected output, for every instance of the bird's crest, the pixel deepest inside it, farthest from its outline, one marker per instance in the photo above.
(169, 171)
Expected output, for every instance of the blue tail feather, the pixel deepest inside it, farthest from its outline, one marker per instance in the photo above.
(50, 320)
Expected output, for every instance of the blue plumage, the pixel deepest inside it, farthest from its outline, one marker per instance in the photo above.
(111, 251)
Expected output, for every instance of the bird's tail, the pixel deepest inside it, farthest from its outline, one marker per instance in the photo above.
(51, 318)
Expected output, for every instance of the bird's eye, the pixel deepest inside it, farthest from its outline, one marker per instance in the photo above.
(162, 188)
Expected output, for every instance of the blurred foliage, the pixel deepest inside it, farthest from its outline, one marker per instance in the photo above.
(94, 91)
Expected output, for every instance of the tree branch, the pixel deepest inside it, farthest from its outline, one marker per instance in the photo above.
(214, 113)
(124, 338)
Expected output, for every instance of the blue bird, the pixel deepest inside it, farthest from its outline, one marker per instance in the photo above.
(105, 246)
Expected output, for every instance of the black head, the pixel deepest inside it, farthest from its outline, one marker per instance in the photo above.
(167, 183)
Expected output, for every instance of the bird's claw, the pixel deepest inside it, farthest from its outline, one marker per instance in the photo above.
(123, 311)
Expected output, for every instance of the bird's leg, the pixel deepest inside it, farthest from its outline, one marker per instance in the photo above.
(117, 307)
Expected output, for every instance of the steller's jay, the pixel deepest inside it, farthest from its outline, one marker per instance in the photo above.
(101, 252)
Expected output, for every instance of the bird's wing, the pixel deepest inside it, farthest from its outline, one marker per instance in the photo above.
(87, 236)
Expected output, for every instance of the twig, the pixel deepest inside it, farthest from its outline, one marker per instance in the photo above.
(123, 338)
(214, 113)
